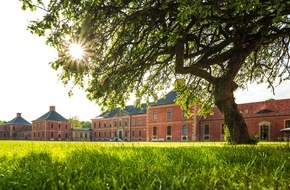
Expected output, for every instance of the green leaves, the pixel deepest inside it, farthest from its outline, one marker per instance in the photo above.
(131, 46)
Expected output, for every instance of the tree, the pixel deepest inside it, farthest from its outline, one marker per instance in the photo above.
(75, 121)
(206, 49)
(2, 122)
(86, 124)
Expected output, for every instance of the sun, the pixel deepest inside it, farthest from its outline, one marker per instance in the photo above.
(76, 51)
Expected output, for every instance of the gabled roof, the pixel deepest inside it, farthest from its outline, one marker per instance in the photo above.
(18, 121)
(52, 115)
(128, 110)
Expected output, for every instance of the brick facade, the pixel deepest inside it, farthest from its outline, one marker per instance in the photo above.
(51, 126)
(165, 121)
(16, 129)
(160, 121)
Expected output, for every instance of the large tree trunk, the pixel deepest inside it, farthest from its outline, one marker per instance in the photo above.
(225, 101)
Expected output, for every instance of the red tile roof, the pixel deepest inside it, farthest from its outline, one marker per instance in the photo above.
(259, 109)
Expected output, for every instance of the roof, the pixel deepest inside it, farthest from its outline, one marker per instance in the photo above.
(128, 110)
(52, 116)
(18, 121)
(259, 109)
(169, 98)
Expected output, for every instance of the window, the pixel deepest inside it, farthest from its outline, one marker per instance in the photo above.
(155, 131)
(140, 133)
(110, 124)
(65, 126)
(95, 125)
(120, 123)
(66, 135)
(126, 133)
(95, 134)
(126, 123)
(52, 125)
(206, 129)
(105, 125)
(133, 122)
(155, 115)
(51, 135)
(99, 134)
(169, 114)
(105, 134)
(287, 124)
(99, 124)
(139, 122)
(184, 130)
(59, 136)
(81, 135)
(133, 133)
(168, 131)
(115, 124)
(59, 126)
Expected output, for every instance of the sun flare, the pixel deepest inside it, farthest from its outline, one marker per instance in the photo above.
(76, 51)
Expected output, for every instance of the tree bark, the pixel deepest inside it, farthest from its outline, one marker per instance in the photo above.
(223, 92)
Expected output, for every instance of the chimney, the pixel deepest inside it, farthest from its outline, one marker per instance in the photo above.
(51, 108)
(18, 114)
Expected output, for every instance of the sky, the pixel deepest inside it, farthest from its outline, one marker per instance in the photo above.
(28, 84)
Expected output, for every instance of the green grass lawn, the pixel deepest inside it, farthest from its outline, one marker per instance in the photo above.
(143, 165)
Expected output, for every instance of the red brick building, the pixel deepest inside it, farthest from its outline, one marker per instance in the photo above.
(51, 126)
(168, 122)
(18, 128)
(264, 119)
(129, 124)
(165, 121)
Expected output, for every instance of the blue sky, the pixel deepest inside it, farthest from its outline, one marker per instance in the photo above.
(29, 85)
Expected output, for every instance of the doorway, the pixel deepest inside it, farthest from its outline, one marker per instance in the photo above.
(264, 132)
(121, 134)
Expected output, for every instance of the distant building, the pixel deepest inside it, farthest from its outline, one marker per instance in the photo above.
(51, 126)
(166, 121)
(264, 119)
(163, 120)
(81, 134)
(128, 124)
(18, 128)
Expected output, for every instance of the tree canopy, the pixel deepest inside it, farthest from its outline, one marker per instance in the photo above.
(205, 49)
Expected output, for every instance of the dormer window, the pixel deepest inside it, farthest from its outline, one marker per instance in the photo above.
(264, 111)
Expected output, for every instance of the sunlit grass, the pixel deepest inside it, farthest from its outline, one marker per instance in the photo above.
(143, 165)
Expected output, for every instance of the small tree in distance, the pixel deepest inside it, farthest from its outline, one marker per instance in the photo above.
(74, 120)
(205, 49)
